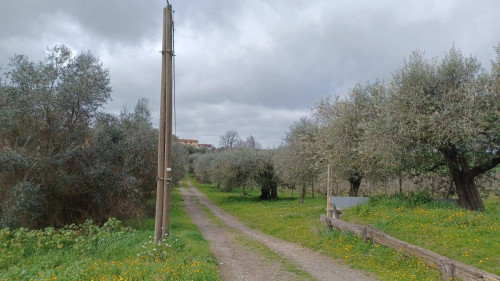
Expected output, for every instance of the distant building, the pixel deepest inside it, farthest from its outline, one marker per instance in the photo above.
(188, 142)
(194, 143)
(204, 145)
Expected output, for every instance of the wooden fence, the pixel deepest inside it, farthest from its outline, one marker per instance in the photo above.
(449, 268)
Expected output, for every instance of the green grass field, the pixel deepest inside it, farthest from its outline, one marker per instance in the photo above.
(111, 252)
(287, 219)
(470, 237)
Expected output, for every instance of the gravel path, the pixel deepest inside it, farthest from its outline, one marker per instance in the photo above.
(235, 261)
(318, 266)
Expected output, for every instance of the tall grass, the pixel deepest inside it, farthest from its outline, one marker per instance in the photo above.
(110, 252)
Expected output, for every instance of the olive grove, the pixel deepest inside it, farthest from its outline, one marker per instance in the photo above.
(431, 116)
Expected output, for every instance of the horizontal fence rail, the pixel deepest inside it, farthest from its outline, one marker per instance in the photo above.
(449, 268)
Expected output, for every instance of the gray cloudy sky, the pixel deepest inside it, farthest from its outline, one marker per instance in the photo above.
(253, 66)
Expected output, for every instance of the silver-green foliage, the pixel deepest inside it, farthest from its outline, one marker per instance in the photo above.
(233, 168)
(202, 166)
(448, 111)
(431, 116)
(243, 166)
(47, 109)
(62, 159)
(179, 161)
(340, 134)
(296, 161)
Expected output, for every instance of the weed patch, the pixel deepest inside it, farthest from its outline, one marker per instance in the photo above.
(470, 237)
(110, 252)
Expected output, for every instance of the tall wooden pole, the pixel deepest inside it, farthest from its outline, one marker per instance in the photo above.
(167, 184)
(164, 133)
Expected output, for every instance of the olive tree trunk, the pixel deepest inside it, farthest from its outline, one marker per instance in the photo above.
(355, 182)
(468, 193)
(303, 194)
(274, 191)
(463, 177)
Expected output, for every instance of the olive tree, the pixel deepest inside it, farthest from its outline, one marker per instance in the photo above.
(284, 164)
(47, 111)
(202, 166)
(233, 168)
(239, 167)
(296, 161)
(341, 132)
(449, 112)
(385, 153)
(139, 144)
(264, 174)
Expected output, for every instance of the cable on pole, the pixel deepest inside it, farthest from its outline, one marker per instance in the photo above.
(173, 70)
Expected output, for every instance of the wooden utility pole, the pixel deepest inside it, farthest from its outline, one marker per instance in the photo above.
(163, 185)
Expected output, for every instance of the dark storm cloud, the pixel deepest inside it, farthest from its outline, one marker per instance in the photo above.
(283, 55)
(253, 66)
(127, 22)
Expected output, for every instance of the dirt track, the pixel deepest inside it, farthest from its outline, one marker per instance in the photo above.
(237, 261)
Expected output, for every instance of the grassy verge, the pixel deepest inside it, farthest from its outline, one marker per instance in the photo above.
(290, 221)
(111, 252)
(470, 237)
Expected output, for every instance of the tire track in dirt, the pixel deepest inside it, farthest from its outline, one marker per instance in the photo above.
(320, 267)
